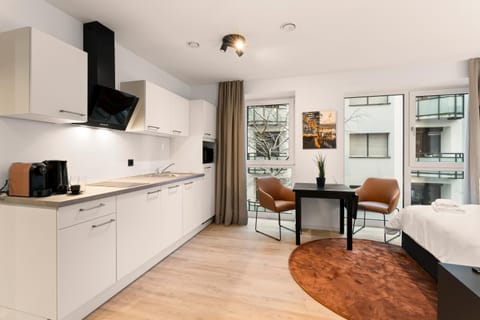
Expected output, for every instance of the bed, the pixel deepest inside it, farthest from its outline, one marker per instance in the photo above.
(430, 236)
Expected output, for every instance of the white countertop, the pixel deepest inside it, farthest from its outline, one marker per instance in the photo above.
(101, 189)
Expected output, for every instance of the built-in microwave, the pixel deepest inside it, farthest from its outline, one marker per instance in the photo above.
(208, 154)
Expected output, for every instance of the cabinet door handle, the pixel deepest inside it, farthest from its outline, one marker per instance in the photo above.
(186, 183)
(153, 192)
(208, 134)
(153, 127)
(91, 208)
(208, 167)
(177, 131)
(174, 187)
(102, 224)
(72, 112)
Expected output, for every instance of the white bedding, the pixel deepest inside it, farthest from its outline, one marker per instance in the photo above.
(452, 237)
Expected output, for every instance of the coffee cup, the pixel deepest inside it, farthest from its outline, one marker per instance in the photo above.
(75, 189)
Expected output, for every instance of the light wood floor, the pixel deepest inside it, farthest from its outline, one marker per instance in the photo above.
(223, 273)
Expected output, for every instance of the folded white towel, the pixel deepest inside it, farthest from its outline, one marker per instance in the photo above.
(447, 208)
(447, 203)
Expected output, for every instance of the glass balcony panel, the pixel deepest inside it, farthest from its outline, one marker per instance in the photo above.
(378, 100)
(357, 101)
(427, 107)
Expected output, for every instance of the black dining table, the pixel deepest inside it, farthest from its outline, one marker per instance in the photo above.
(347, 197)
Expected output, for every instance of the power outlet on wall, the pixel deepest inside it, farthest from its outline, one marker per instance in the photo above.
(130, 162)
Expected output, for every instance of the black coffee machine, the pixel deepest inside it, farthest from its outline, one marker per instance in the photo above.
(57, 176)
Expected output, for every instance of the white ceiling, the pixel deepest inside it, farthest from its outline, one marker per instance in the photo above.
(334, 35)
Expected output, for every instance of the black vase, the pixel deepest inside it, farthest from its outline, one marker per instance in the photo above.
(320, 182)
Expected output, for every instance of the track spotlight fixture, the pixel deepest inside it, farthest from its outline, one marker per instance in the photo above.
(235, 41)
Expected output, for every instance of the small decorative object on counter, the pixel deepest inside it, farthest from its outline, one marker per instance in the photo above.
(75, 189)
(77, 184)
(320, 162)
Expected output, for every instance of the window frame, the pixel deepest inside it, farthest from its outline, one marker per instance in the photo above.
(290, 162)
(369, 97)
(367, 156)
(410, 129)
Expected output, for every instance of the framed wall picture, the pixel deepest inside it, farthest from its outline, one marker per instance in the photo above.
(319, 129)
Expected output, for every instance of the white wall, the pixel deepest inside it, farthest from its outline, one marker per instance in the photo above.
(327, 91)
(94, 153)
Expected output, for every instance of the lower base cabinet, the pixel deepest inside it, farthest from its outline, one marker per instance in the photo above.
(193, 207)
(86, 262)
(138, 221)
(55, 260)
(209, 191)
(148, 221)
(172, 221)
(60, 264)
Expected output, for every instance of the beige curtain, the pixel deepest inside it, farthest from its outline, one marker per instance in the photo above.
(474, 131)
(230, 187)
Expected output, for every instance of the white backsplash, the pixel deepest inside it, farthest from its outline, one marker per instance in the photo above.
(95, 154)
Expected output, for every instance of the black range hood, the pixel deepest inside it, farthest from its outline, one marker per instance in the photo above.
(107, 107)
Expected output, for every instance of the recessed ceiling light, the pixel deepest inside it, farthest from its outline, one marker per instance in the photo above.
(288, 27)
(193, 44)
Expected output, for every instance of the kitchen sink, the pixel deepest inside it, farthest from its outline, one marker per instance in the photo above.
(117, 184)
(167, 174)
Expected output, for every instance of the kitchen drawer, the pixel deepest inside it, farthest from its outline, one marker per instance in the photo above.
(88, 210)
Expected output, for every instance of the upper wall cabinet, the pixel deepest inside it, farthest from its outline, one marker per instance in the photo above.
(205, 115)
(158, 111)
(42, 78)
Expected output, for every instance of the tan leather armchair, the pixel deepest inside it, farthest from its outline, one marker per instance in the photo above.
(275, 197)
(379, 195)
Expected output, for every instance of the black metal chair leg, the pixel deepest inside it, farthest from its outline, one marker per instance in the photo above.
(361, 227)
(265, 234)
(385, 231)
(280, 226)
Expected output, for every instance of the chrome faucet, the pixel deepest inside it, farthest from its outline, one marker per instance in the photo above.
(164, 169)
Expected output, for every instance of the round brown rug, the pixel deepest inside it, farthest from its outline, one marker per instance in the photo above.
(373, 281)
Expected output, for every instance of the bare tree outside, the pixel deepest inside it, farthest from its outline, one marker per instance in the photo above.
(267, 141)
(267, 132)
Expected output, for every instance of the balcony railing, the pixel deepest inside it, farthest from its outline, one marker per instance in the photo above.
(438, 174)
(450, 107)
(440, 157)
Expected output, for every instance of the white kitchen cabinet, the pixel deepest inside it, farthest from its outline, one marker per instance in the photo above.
(204, 116)
(139, 222)
(193, 205)
(86, 262)
(172, 222)
(50, 271)
(209, 191)
(28, 254)
(62, 263)
(158, 111)
(42, 78)
(86, 252)
(180, 116)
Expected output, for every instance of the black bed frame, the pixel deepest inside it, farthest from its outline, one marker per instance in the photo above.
(424, 258)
